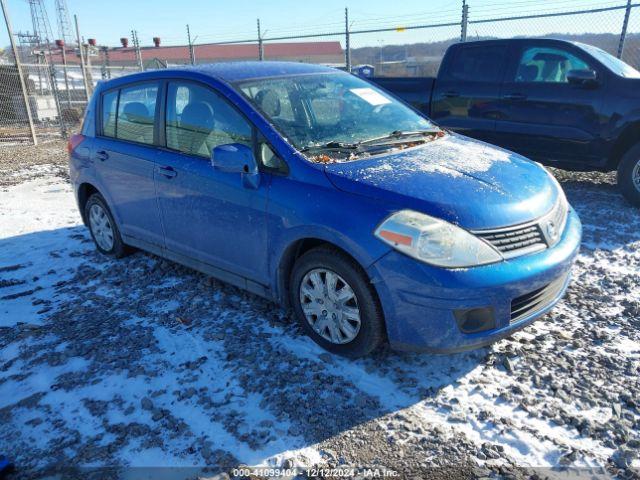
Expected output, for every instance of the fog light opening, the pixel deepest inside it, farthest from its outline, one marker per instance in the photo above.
(474, 320)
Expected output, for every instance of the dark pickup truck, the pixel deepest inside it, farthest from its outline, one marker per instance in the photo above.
(561, 103)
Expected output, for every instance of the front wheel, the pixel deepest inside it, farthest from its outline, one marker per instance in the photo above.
(335, 303)
(629, 175)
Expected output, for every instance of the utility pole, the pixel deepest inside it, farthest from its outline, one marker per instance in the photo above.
(192, 53)
(260, 46)
(64, 22)
(347, 44)
(82, 65)
(623, 34)
(23, 86)
(465, 21)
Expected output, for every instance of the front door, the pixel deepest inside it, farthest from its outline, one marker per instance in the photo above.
(546, 117)
(125, 159)
(211, 216)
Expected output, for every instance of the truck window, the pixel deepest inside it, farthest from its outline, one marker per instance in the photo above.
(548, 65)
(136, 113)
(478, 64)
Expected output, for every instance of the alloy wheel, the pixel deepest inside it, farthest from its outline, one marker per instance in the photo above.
(635, 175)
(101, 227)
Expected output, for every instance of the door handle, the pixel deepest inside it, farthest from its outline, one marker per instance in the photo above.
(514, 96)
(102, 155)
(167, 172)
(451, 94)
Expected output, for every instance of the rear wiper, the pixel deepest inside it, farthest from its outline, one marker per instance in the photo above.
(398, 134)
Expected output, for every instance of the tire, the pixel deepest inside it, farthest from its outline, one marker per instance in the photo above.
(351, 338)
(629, 175)
(102, 226)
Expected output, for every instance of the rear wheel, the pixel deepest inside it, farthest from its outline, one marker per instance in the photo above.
(103, 228)
(335, 304)
(629, 175)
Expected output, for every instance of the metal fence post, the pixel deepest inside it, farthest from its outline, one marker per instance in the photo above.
(465, 21)
(84, 71)
(623, 34)
(260, 45)
(136, 46)
(65, 73)
(192, 53)
(347, 42)
(106, 72)
(23, 86)
(56, 94)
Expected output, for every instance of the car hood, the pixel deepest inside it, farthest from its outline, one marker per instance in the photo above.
(464, 181)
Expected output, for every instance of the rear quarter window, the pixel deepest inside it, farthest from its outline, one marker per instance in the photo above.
(109, 106)
(477, 64)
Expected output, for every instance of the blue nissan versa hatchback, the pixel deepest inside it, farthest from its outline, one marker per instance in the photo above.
(313, 188)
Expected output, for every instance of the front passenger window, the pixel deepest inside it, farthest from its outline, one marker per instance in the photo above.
(547, 65)
(198, 120)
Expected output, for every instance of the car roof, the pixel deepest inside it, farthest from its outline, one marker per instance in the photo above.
(239, 71)
(513, 40)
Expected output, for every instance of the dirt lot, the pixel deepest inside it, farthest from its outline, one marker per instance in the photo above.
(141, 362)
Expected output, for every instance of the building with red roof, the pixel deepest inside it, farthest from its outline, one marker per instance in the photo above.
(324, 52)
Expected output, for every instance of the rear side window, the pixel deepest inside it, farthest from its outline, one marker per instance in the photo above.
(478, 64)
(136, 113)
(198, 120)
(109, 106)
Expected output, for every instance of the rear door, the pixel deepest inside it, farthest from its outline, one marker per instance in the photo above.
(546, 117)
(467, 90)
(125, 157)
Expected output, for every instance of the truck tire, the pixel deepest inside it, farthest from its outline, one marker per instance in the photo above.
(335, 304)
(629, 175)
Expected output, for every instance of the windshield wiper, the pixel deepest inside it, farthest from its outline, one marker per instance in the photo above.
(395, 135)
(399, 134)
(332, 146)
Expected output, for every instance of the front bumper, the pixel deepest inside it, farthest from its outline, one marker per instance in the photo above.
(419, 300)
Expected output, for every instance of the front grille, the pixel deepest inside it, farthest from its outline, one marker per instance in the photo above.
(515, 240)
(530, 237)
(532, 302)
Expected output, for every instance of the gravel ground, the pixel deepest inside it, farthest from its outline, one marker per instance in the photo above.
(141, 362)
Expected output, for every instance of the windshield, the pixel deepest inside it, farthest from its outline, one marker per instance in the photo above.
(334, 110)
(612, 63)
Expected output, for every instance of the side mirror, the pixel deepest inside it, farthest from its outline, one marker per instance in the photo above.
(236, 158)
(586, 78)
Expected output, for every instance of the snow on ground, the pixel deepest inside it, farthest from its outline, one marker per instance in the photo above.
(140, 362)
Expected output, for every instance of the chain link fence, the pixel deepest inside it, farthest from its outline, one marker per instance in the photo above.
(55, 88)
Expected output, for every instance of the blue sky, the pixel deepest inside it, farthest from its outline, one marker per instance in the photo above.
(211, 20)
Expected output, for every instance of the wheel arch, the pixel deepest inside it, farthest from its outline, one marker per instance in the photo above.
(85, 190)
(629, 138)
(295, 250)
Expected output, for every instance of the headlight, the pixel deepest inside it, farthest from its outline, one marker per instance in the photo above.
(435, 241)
